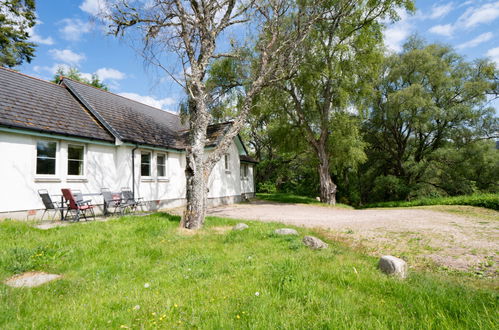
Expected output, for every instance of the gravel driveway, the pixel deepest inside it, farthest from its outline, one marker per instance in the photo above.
(459, 242)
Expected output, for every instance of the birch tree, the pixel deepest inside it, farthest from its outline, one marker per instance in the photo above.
(195, 31)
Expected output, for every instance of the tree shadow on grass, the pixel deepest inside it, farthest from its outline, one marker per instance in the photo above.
(168, 216)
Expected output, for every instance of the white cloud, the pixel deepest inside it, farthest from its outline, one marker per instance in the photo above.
(95, 7)
(494, 54)
(67, 56)
(398, 32)
(109, 73)
(36, 38)
(484, 37)
(73, 29)
(445, 30)
(441, 11)
(479, 15)
(50, 69)
(149, 100)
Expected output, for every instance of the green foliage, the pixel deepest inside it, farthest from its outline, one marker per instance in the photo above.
(16, 19)
(490, 201)
(249, 279)
(75, 74)
(426, 124)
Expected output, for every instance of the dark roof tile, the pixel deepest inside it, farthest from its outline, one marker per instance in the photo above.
(32, 103)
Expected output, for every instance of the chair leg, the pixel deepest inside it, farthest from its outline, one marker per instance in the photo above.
(43, 214)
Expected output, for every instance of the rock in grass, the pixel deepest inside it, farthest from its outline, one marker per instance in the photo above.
(314, 243)
(393, 266)
(240, 226)
(285, 231)
(31, 279)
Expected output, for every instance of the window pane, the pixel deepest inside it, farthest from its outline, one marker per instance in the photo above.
(145, 166)
(75, 167)
(75, 152)
(161, 165)
(46, 149)
(45, 166)
(145, 170)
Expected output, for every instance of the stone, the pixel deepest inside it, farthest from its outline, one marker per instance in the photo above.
(285, 231)
(240, 226)
(393, 266)
(314, 243)
(31, 279)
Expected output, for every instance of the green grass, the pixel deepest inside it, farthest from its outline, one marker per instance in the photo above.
(210, 280)
(490, 201)
(294, 199)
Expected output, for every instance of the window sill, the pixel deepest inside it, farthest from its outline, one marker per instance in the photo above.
(76, 180)
(47, 179)
(147, 179)
(227, 172)
(163, 180)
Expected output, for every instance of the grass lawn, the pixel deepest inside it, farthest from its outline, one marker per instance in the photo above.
(218, 279)
(490, 201)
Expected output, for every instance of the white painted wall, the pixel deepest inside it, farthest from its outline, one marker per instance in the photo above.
(105, 166)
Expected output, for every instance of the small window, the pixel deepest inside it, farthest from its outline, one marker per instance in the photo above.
(244, 171)
(145, 164)
(46, 157)
(161, 165)
(75, 159)
(226, 162)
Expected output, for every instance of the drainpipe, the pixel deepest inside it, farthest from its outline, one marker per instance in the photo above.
(133, 170)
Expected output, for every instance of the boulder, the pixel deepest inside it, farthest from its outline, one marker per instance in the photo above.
(285, 231)
(393, 266)
(240, 226)
(314, 243)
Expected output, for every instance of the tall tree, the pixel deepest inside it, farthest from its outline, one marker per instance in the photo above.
(335, 78)
(196, 31)
(75, 74)
(428, 98)
(16, 18)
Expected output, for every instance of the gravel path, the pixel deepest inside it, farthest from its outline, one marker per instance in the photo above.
(459, 242)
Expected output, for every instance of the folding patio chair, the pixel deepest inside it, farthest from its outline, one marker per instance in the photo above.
(130, 200)
(77, 206)
(49, 204)
(113, 201)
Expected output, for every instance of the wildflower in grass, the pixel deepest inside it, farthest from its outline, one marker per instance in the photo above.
(175, 305)
(238, 317)
(146, 285)
(136, 307)
(257, 293)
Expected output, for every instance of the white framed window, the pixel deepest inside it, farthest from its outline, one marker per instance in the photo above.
(227, 162)
(244, 171)
(46, 158)
(161, 165)
(145, 163)
(76, 160)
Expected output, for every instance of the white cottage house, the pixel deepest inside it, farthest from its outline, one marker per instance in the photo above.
(72, 135)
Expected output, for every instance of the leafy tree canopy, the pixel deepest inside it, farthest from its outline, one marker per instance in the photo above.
(16, 19)
(75, 74)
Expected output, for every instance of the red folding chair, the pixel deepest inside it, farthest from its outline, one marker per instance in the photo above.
(78, 208)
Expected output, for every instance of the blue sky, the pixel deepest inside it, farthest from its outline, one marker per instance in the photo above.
(67, 35)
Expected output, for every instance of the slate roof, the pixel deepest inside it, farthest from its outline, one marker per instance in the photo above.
(35, 104)
(247, 159)
(132, 121)
(77, 109)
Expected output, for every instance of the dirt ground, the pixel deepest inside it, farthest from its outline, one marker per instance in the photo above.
(457, 237)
